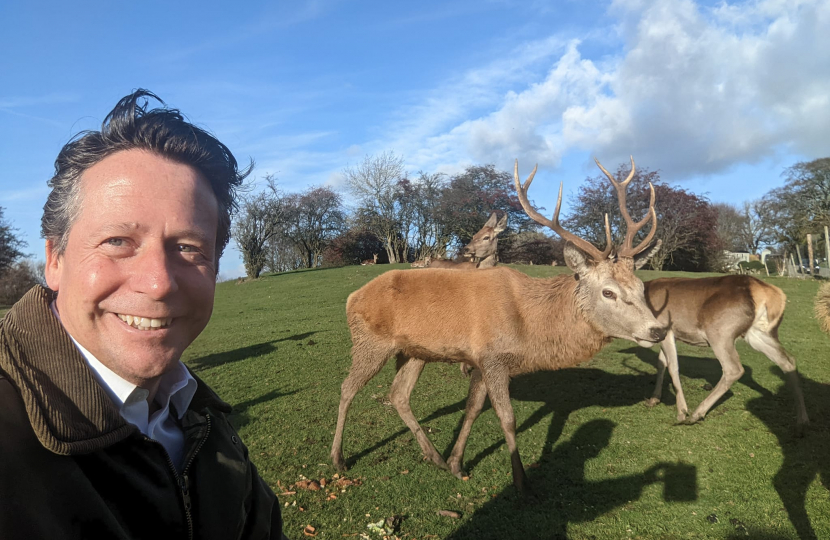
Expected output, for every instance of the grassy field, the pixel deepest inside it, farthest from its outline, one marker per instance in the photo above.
(603, 465)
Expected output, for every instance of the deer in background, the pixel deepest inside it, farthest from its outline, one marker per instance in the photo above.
(373, 260)
(482, 249)
(501, 321)
(715, 312)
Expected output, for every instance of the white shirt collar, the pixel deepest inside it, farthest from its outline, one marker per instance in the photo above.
(176, 387)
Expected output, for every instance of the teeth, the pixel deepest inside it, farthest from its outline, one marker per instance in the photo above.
(144, 323)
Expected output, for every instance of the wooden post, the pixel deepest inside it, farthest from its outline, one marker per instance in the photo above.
(810, 252)
(800, 260)
(792, 271)
(827, 245)
(765, 266)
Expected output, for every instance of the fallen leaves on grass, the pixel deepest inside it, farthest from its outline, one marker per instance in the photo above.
(310, 531)
(449, 514)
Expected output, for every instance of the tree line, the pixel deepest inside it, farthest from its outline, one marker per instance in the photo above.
(404, 217)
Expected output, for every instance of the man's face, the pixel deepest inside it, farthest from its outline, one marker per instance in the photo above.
(136, 281)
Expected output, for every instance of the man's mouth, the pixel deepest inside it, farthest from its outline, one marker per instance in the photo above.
(145, 323)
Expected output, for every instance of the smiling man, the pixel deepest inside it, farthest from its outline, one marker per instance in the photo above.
(104, 433)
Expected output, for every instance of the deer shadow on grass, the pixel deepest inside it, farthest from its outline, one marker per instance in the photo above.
(239, 415)
(805, 458)
(560, 392)
(563, 392)
(691, 368)
(563, 495)
(242, 353)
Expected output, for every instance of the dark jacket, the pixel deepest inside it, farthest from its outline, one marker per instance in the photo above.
(71, 467)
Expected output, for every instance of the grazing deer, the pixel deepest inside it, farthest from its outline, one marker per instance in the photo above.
(367, 262)
(715, 312)
(501, 321)
(421, 263)
(482, 249)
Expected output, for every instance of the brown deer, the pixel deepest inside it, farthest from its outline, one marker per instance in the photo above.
(715, 312)
(499, 320)
(421, 263)
(482, 249)
(373, 260)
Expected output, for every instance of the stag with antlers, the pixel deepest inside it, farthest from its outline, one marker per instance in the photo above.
(501, 321)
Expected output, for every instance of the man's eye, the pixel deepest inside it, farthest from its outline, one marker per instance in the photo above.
(186, 249)
(116, 242)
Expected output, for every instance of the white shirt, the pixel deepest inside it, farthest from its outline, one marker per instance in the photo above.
(175, 388)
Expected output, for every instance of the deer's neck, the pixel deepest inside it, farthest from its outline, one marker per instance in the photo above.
(560, 335)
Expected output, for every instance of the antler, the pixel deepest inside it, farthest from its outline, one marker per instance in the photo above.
(632, 228)
(584, 245)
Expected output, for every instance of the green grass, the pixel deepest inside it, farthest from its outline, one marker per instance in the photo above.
(603, 465)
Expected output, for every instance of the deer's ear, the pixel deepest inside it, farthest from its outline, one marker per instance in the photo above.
(643, 257)
(501, 225)
(576, 259)
(491, 221)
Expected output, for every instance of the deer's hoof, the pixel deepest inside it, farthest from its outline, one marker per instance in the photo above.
(652, 402)
(339, 463)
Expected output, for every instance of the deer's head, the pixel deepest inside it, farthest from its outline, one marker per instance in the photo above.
(608, 293)
(485, 242)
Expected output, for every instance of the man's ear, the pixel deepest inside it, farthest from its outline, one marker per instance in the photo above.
(576, 259)
(54, 263)
(643, 257)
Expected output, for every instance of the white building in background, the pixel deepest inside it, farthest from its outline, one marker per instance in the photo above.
(733, 258)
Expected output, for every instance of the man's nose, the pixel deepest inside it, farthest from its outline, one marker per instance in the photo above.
(154, 274)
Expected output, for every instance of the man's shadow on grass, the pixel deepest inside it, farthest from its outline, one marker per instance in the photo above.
(805, 458)
(242, 353)
(563, 495)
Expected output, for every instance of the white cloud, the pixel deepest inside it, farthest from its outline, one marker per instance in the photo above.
(692, 91)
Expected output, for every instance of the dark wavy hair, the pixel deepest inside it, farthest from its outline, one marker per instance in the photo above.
(131, 125)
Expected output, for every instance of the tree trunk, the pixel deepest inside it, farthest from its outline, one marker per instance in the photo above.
(810, 252)
(827, 245)
(800, 260)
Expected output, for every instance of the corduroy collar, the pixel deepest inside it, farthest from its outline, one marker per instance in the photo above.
(69, 411)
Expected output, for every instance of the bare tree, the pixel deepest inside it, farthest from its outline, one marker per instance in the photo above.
(374, 183)
(430, 235)
(258, 221)
(312, 219)
(730, 225)
(10, 244)
(757, 225)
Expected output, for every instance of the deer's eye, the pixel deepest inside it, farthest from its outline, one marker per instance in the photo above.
(609, 294)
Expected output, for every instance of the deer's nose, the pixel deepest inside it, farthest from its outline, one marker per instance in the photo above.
(658, 333)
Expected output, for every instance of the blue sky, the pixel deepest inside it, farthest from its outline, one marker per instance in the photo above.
(720, 97)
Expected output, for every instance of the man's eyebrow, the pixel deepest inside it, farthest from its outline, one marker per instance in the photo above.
(131, 227)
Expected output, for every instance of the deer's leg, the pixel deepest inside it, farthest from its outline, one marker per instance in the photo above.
(367, 361)
(475, 403)
(409, 369)
(769, 345)
(723, 346)
(669, 349)
(497, 380)
(658, 384)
